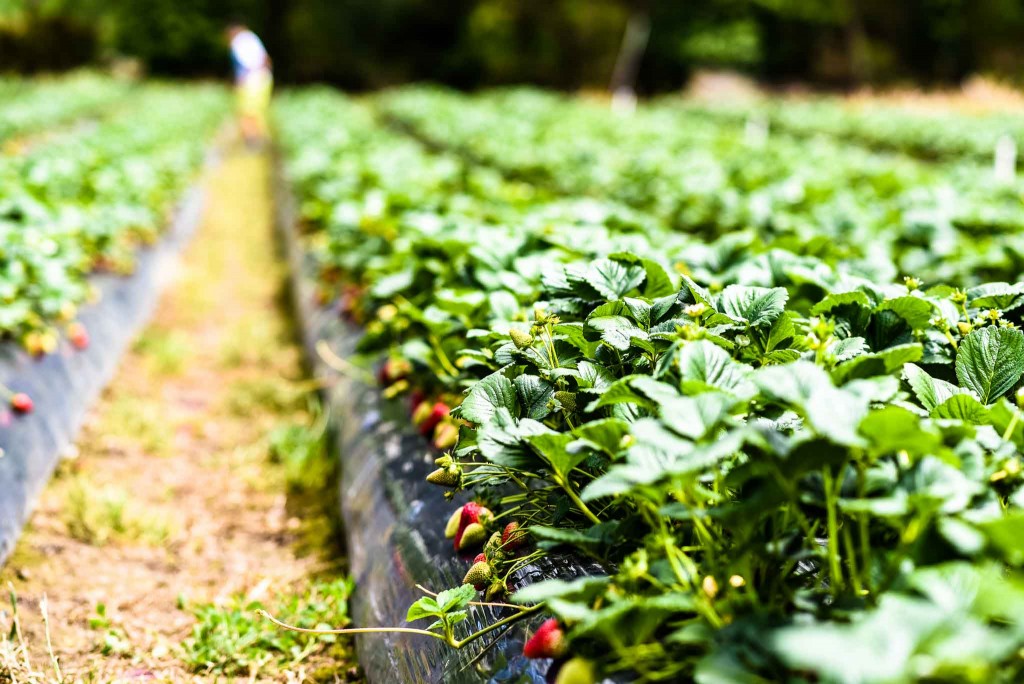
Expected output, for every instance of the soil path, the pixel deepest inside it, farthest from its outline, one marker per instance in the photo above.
(171, 501)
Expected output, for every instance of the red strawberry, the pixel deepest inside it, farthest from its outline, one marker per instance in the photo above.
(22, 403)
(446, 435)
(471, 514)
(78, 335)
(547, 642)
(512, 537)
(479, 558)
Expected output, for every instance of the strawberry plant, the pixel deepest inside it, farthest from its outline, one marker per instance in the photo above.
(83, 201)
(792, 464)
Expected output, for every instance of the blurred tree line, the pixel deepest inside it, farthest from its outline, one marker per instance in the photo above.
(558, 43)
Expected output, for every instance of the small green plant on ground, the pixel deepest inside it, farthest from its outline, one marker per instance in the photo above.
(115, 640)
(232, 640)
(98, 515)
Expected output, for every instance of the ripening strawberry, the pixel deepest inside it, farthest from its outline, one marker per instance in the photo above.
(21, 403)
(78, 335)
(393, 370)
(472, 514)
(512, 537)
(446, 435)
(547, 642)
(429, 420)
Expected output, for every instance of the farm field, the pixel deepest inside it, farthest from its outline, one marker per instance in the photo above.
(769, 384)
(703, 392)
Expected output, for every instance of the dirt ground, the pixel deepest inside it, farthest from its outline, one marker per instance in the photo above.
(172, 501)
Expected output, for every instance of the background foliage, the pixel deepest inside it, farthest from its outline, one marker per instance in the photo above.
(558, 43)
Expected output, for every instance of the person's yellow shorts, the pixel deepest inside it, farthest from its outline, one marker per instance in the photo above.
(254, 94)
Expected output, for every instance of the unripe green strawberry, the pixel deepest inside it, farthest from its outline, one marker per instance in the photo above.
(473, 536)
(512, 537)
(521, 339)
(452, 527)
(446, 477)
(495, 590)
(478, 575)
(493, 545)
(576, 671)
(567, 400)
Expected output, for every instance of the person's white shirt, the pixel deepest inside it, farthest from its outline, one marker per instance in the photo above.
(248, 51)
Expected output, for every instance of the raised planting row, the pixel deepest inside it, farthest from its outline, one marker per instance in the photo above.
(931, 134)
(787, 471)
(884, 215)
(85, 200)
(29, 106)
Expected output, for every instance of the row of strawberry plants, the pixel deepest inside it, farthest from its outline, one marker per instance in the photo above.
(85, 200)
(948, 221)
(28, 106)
(790, 472)
(930, 134)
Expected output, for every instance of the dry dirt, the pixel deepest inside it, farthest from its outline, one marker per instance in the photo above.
(172, 500)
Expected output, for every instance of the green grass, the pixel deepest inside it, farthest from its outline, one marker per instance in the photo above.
(98, 515)
(232, 640)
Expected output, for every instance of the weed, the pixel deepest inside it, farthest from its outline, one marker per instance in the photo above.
(98, 515)
(165, 350)
(115, 640)
(233, 640)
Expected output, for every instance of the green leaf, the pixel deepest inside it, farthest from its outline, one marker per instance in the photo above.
(621, 392)
(456, 599)
(793, 384)
(583, 589)
(1002, 296)
(534, 394)
(613, 279)
(423, 608)
(915, 311)
(486, 397)
(695, 417)
(894, 428)
(658, 283)
(963, 407)
(553, 448)
(755, 305)
(929, 391)
(617, 331)
(695, 292)
(704, 366)
(990, 361)
(835, 300)
(877, 363)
